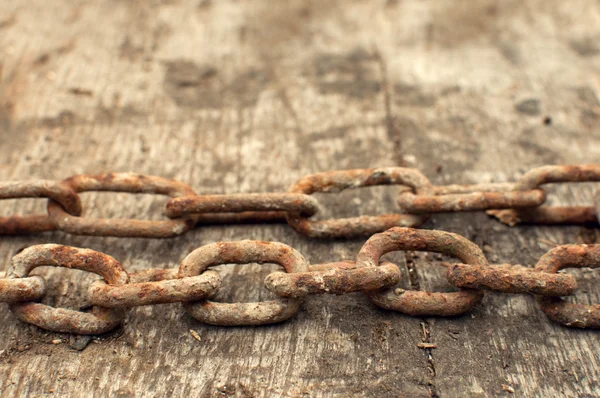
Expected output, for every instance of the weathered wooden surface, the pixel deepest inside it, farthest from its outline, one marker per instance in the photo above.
(249, 96)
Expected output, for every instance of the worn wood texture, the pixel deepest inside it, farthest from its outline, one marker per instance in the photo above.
(249, 96)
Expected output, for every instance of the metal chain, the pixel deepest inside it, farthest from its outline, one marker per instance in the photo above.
(193, 284)
(512, 203)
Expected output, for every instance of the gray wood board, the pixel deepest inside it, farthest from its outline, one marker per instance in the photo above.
(250, 96)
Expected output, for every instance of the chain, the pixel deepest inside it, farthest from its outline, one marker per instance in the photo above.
(512, 203)
(193, 283)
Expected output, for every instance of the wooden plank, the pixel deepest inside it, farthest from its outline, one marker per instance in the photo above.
(242, 97)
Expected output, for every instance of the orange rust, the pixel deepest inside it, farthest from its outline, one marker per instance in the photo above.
(122, 182)
(511, 279)
(469, 201)
(557, 309)
(422, 303)
(335, 181)
(242, 252)
(100, 320)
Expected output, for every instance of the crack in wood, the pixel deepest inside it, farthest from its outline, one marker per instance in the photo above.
(425, 325)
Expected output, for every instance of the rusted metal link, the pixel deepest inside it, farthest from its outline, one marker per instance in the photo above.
(123, 182)
(100, 320)
(155, 286)
(511, 279)
(242, 252)
(336, 181)
(557, 309)
(342, 264)
(470, 188)
(418, 303)
(21, 289)
(552, 214)
(335, 280)
(242, 203)
(552, 174)
(21, 225)
(422, 303)
(59, 192)
(427, 200)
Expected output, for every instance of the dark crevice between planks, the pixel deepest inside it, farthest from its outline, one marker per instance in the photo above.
(425, 326)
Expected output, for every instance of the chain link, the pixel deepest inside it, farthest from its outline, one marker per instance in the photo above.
(552, 214)
(337, 181)
(193, 283)
(243, 252)
(333, 278)
(422, 303)
(557, 309)
(57, 191)
(122, 182)
(100, 320)
(155, 286)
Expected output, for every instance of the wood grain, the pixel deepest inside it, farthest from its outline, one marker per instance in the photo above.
(250, 96)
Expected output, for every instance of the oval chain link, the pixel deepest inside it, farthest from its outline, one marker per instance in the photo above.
(422, 303)
(57, 191)
(100, 320)
(462, 198)
(552, 214)
(243, 252)
(557, 309)
(123, 182)
(155, 286)
(337, 181)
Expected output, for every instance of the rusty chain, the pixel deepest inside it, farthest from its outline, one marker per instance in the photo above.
(512, 203)
(193, 283)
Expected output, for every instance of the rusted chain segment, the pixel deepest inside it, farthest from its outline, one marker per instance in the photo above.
(241, 208)
(123, 182)
(470, 188)
(512, 203)
(418, 303)
(21, 225)
(335, 280)
(476, 201)
(552, 214)
(511, 279)
(21, 289)
(100, 320)
(336, 181)
(559, 310)
(242, 252)
(552, 174)
(243, 202)
(422, 303)
(155, 286)
(59, 192)
(192, 283)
